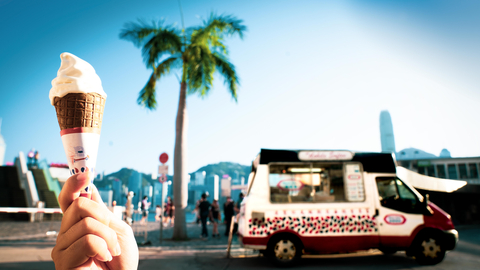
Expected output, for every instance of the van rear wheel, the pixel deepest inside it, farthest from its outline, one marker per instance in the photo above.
(284, 250)
(428, 250)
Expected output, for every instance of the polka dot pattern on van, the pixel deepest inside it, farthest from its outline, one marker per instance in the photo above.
(313, 225)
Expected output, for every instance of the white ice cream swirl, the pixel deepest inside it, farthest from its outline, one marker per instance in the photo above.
(75, 76)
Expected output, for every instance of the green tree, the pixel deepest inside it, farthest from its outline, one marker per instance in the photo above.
(198, 52)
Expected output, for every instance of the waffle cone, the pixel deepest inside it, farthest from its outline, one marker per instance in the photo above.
(80, 110)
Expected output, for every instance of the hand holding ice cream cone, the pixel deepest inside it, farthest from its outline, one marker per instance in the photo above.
(90, 236)
(79, 100)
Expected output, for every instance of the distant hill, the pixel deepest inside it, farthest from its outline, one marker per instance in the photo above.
(123, 175)
(219, 169)
(226, 168)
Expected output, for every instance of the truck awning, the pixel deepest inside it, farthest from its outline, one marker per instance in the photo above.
(429, 183)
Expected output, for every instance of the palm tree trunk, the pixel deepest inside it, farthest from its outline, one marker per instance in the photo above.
(180, 175)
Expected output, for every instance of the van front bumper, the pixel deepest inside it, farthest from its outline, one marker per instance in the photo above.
(450, 239)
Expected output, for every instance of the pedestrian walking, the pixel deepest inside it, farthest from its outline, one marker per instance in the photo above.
(215, 217)
(228, 211)
(237, 212)
(204, 209)
(158, 213)
(170, 212)
(197, 213)
(144, 208)
(129, 208)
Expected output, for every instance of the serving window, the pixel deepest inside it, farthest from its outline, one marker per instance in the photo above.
(316, 182)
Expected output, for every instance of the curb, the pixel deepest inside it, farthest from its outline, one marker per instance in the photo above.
(27, 237)
(190, 248)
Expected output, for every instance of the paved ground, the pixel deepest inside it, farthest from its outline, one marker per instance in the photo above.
(26, 246)
(44, 232)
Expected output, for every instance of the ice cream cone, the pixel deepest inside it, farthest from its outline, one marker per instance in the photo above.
(79, 110)
(79, 102)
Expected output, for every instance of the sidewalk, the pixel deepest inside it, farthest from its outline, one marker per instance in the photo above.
(193, 231)
(11, 231)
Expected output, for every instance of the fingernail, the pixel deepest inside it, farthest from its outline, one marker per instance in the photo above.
(118, 250)
(109, 257)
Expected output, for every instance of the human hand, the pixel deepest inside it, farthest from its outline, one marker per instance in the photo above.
(90, 236)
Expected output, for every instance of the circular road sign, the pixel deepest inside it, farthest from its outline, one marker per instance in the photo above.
(163, 158)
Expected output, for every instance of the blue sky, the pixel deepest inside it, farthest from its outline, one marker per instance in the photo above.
(314, 75)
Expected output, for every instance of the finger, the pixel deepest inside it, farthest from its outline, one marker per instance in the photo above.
(87, 226)
(71, 189)
(97, 198)
(82, 208)
(89, 246)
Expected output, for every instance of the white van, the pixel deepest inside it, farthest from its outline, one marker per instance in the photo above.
(320, 202)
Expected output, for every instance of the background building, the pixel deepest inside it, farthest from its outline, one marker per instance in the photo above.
(386, 133)
(463, 204)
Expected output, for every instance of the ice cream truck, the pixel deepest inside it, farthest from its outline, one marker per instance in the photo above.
(325, 202)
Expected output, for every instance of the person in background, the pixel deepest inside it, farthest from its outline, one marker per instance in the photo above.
(228, 211)
(170, 211)
(238, 205)
(215, 217)
(158, 213)
(129, 208)
(204, 209)
(144, 207)
(197, 214)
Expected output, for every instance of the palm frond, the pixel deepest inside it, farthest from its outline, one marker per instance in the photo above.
(146, 97)
(165, 41)
(214, 30)
(166, 65)
(138, 32)
(156, 38)
(226, 24)
(200, 69)
(227, 70)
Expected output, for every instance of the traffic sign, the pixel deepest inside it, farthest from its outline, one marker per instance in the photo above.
(163, 158)
(162, 178)
(163, 169)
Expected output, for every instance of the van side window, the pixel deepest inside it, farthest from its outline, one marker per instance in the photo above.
(394, 194)
(307, 182)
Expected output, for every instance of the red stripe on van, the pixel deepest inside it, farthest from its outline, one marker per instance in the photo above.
(326, 244)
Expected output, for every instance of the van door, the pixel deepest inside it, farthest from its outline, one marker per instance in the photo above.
(400, 213)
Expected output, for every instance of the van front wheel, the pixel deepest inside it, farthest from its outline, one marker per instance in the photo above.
(284, 250)
(428, 250)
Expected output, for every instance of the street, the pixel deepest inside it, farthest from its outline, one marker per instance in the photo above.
(35, 255)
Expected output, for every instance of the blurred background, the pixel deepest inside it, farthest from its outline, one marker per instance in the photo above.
(313, 75)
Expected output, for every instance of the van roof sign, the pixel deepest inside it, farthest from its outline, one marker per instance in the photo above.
(324, 155)
(372, 162)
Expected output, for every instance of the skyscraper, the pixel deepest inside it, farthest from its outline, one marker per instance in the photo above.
(386, 133)
(135, 185)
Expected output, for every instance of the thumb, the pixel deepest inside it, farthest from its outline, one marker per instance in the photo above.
(71, 189)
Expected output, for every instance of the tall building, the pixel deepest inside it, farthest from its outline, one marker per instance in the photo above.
(386, 133)
(3, 145)
(118, 193)
(135, 185)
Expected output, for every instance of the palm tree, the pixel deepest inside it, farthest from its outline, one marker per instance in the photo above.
(198, 52)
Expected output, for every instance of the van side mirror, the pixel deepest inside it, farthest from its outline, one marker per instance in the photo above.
(426, 201)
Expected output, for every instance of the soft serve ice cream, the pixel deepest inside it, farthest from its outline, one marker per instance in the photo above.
(75, 76)
(79, 100)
